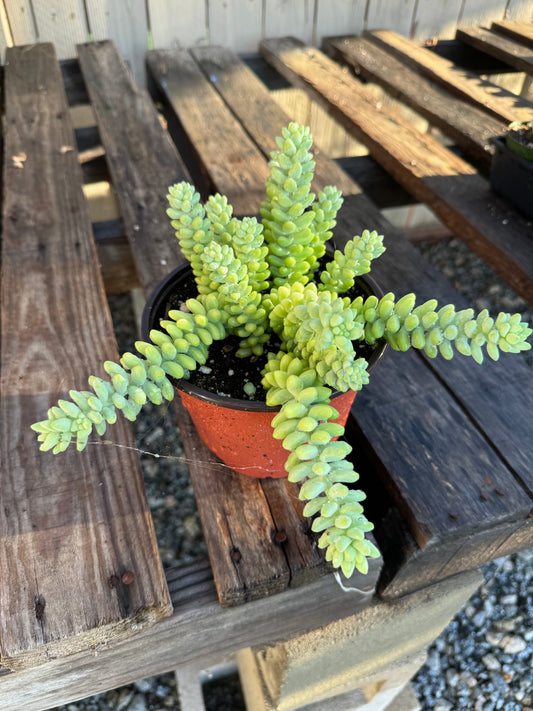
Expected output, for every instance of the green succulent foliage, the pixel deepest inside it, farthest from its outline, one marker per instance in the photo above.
(136, 379)
(257, 278)
(306, 425)
(404, 325)
(339, 274)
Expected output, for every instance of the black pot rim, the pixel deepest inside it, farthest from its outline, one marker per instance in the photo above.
(159, 298)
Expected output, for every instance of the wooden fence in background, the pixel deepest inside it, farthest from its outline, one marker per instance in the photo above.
(135, 25)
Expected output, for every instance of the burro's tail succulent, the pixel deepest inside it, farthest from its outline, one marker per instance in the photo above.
(261, 282)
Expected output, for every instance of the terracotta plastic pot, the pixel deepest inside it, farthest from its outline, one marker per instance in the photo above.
(239, 432)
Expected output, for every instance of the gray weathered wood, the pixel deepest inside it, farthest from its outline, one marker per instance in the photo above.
(198, 633)
(504, 48)
(519, 31)
(468, 126)
(68, 525)
(447, 184)
(493, 99)
(141, 158)
(237, 169)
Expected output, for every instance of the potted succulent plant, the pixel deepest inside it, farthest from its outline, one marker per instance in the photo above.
(512, 166)
(270, 288)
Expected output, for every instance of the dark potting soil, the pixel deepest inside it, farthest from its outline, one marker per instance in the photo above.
(224, 373)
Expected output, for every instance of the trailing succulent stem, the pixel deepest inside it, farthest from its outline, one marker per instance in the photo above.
(255, 279)
(306, 425)
(135, 380)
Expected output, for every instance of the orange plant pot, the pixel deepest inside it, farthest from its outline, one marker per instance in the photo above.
(239, 432)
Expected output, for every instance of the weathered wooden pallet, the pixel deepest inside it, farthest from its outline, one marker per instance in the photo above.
(519, 31)
(71, 526)
(470, 87)
(508, 50)
(468, 126)
(417, 471)
(449, 185)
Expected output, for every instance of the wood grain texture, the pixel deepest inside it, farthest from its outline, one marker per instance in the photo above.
(236, 23)
(62, 23)
(518, 31)
(199, 632)
(446, 183)
(141, 157)
(519, 10)
(177, 23)
(496, 101)
(236, 167)
(467, 125)
(387, 15)
(68, 523)
(20, 19)
(432, 20)
(402, 269)
(509, 51)
(261, 116)
(125, 24)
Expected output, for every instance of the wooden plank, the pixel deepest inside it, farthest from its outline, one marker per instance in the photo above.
(142, 159)
(467, 125)
(479, 12)
(432, 20)
(71, 523)
(447, 184)
(402, 268)
(296, 17)
(519, 31)
(519, 10)
(236, 23)
(199, 632)
(339, 16)
(19, 15)
(125, 23)
(507, 50)
(491, 98)
(387, 15)
(241, 173)
(63, 24)
(177, 23)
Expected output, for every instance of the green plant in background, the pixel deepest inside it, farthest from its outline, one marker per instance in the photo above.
(256, 279)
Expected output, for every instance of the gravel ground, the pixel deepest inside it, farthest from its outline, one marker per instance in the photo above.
(482, 661)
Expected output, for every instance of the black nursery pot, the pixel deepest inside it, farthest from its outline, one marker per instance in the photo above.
(512, 177)
(239, 432)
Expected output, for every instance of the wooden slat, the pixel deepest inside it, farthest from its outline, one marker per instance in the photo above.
(125, 24)
(519, 31)
(402, 268)
(447, 184)
(238, 170)
(199, 632)
(69, 523)
(509, 51)
(468, 126)
(142, 159)
(63, 24)
(493, 99)
(143, 162)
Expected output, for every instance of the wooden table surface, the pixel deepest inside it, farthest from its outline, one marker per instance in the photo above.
(71, 526)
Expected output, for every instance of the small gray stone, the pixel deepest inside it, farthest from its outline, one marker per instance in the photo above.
(452, 677)
(491, 662)
(433, 662)
(138, 703)
(513, 644)
(442, 705)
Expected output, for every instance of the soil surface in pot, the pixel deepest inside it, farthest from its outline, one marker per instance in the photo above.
(225, 374)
